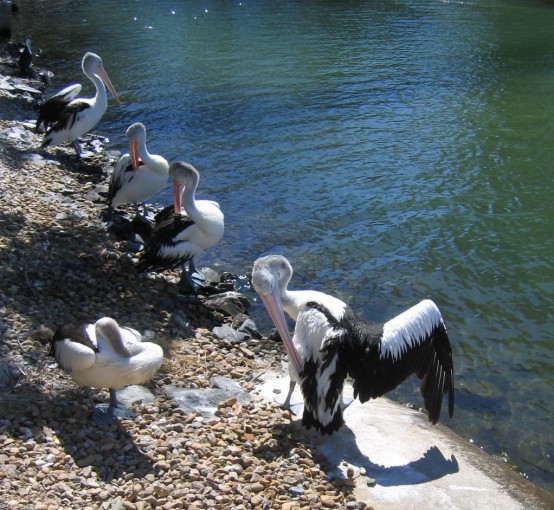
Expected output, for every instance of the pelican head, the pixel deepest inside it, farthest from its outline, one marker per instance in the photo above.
(182, 175)
(136, 134)
(270, 278)
(92, 64)
(109, 329)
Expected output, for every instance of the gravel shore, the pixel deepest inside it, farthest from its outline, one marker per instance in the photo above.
(59, 263)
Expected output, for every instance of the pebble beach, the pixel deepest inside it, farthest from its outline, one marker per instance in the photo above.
(60, 263)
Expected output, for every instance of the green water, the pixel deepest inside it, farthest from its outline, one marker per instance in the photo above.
(392, 150)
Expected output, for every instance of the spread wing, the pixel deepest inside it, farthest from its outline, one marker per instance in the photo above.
(379, 358)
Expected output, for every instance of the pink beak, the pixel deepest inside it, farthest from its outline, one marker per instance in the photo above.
(272, 302)
(134, 154)
(177, 192)
(100, 71)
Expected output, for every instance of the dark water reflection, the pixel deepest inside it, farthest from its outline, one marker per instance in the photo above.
(392, 150)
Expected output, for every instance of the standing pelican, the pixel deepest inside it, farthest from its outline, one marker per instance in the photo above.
(105, 355)
(71, 118)
(178, 238)
(139, 175)
(330, 342)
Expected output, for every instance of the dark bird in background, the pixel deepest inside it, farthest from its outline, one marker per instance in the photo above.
(25, 61)
(330, 343)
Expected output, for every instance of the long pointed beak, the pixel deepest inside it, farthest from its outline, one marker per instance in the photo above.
(272, 302)
(177, 192)
(134, 154)
(100, 71)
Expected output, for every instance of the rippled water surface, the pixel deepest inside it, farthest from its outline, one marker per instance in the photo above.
(392, 150)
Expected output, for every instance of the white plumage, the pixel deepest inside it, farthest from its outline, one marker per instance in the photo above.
(330, 343)
(177, 239)
(78, 116)
(404, 331)
(105, 355)
(138, 175)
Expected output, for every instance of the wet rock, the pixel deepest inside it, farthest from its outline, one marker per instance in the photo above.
(249, 327)
(229, 303)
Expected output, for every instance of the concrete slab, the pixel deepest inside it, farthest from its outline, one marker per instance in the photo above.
(393, 458)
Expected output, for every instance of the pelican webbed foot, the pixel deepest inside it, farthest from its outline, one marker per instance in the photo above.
(105, 414)
(192, 280)
(77, 146)
(293, 407)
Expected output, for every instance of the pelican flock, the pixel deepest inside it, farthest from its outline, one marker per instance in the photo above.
(330, 343)
(69, 117)
(137, 175)
(105, 355)
(178, 238)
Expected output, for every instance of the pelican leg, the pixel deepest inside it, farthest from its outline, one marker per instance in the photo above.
(141, 224)
(142, 215)
(104, 414)
(286, 404)
(191, 278)
(345, 402)
(187, 285)
(77, 146)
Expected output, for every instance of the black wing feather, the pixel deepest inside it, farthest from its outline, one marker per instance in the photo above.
(358, 347)
(66, 119)
(76, 333)
(315, 371)
(375, 374)
(117, 181)
(163, 234)
(50, 111)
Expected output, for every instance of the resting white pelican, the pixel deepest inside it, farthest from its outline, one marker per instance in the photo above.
(138, 175)
(105, 355)
(330, 342)
(75, 117)
(177, 239)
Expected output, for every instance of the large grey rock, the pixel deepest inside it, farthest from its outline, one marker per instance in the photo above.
(206, 400)
(132, 394)
(229, 303)
(226, 332)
